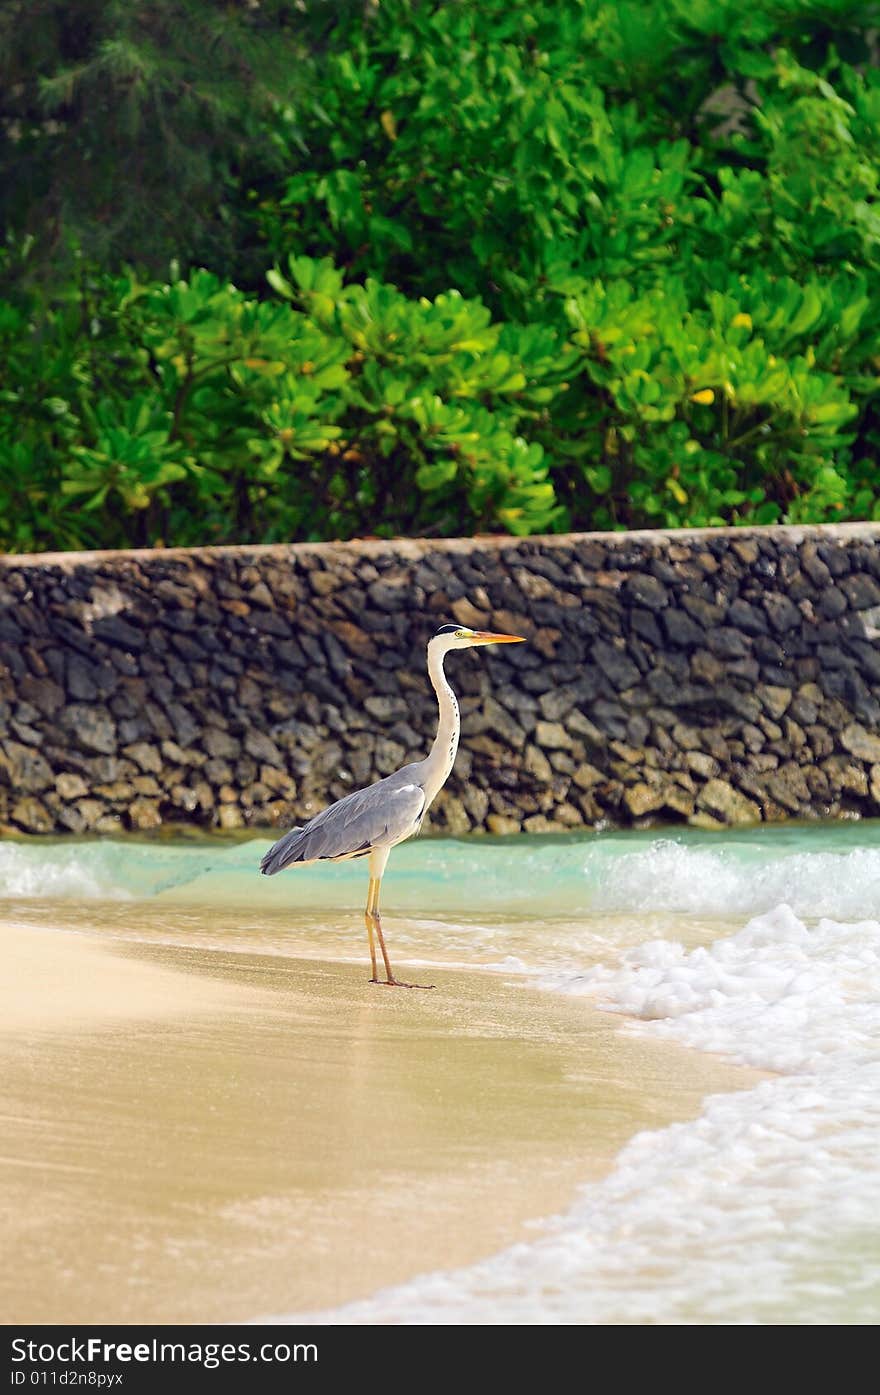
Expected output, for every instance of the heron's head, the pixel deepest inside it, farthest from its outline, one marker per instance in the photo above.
(460, 637)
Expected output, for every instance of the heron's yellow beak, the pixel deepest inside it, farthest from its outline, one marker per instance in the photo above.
(487, 637)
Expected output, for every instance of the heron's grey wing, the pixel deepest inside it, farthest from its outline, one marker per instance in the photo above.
(376, 817)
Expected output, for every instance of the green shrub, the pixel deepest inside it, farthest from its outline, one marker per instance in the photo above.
(723, 411)
(192, 413)
(570, 264)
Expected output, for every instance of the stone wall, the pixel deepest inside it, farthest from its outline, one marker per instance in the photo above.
(710, 677)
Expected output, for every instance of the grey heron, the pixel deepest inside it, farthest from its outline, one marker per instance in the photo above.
(370, 822)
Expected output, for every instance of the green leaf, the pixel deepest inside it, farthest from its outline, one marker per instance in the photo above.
(436, 475)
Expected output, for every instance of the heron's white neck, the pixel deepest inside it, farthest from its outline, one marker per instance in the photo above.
(439, 762)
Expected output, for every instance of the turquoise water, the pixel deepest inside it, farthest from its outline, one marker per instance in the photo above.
(822, 868)
(761, 945)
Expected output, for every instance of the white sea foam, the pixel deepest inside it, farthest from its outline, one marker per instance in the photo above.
(744, 877)
(776, 995)
(764, 1209)
(38, 870)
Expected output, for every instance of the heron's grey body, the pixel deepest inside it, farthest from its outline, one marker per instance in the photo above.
(370, 819)
(369, 822)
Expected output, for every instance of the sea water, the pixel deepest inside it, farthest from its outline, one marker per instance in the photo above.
(762, 946)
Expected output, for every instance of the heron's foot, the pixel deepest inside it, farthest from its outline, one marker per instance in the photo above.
(398, 983)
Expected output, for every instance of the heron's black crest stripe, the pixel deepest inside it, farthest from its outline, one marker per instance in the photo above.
(448, 630)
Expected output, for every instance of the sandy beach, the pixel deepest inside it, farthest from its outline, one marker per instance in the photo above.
(198, 1136)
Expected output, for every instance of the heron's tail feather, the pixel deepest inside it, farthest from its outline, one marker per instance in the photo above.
(287, 850)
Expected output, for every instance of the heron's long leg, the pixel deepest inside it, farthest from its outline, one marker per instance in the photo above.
(372, 893)
(390, 980)
(373, 903)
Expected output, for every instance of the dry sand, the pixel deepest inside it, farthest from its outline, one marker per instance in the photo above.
(196, 1136)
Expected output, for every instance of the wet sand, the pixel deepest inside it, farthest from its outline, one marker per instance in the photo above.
(191, 1135)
